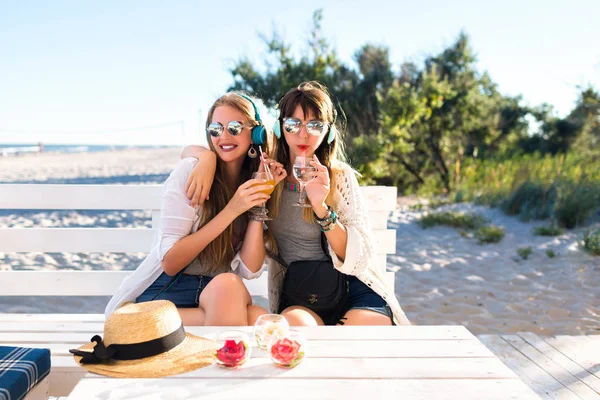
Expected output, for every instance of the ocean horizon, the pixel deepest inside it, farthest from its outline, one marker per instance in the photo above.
(7, 149)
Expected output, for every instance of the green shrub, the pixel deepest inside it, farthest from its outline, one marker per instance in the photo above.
(524, 252)
(489, 234)
(551, 253)
(548, 230)
(577, 202)
(591, 242)
(452, 218)
(531, 201)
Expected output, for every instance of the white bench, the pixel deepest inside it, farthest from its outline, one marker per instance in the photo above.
(59, 331)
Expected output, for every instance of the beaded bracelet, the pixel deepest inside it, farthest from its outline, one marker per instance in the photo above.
(326, 220)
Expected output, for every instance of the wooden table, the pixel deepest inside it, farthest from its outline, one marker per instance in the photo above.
(417, 362)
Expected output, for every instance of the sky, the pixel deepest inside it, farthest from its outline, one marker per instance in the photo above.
(146, 72)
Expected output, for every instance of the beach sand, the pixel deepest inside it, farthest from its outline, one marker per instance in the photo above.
(441, 277)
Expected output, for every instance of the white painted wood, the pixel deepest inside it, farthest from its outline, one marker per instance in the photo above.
(52, 318)
(341, 349)
(586, 353)
(574, 369)
(322, 389)
(95, 283)
(128, 197)
(354, 368)
(113, 240)
(536, 378)
(80, 197)
(570, 382)
(76, 240)
(40, 391)
(384, 333)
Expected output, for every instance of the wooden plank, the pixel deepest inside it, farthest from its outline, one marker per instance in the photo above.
(535, 377)
(565, 362)
(344, 349)
(234, 388)
(582, 350)
(96, 283)
(76, 240)
(40, 391)
(85, 283)
(570, 382)
(53, 318)
(384, 333)
(355, 368)
(113, 240)
(80, 197)
(128, 197)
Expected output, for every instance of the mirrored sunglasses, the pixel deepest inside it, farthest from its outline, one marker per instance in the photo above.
(314, 127)
(215, 129)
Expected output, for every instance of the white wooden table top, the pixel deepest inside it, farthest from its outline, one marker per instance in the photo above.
(416, 362)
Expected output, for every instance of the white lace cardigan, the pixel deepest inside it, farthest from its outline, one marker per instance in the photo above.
(177, 220)
(348, 203)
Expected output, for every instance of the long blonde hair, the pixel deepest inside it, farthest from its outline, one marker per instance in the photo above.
(220, 251)
(312, 97)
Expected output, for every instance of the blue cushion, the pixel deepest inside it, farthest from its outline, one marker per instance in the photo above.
(21, 369)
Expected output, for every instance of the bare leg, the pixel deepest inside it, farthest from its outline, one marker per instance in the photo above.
(253, 313)
(301, 316)
(192, 316)
(225, 301)
(366, 317)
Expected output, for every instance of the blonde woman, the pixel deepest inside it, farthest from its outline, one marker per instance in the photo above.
(201, 253)
(325, 273)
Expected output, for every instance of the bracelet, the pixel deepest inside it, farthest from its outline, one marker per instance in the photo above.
(328, 218)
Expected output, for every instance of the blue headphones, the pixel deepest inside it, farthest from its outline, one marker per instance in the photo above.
(259, 132)
(277, 128)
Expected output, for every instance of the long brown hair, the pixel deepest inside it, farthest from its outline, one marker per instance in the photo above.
(311, 97)
(220, 251)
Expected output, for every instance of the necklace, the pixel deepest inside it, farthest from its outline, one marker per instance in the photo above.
(292, 187)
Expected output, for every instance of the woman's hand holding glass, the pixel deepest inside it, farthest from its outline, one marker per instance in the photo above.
(318, 188)
(251, 193)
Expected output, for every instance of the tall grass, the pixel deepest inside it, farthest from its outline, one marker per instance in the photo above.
(566, 188)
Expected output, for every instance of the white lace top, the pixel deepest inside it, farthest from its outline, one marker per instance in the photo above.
(177, 220)
(348, 203)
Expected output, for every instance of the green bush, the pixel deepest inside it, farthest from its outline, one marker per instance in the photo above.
(551, 253)
(591, 242)
(489, 234)
(524, 252)
(577, 202)
(548, 230)
(531, 201)
(452, 218)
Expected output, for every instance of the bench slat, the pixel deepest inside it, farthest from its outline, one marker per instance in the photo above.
(112, 240)
(94, 283)
(128, 197)
(447, 333)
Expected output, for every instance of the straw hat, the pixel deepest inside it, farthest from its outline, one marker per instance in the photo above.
(145, 340)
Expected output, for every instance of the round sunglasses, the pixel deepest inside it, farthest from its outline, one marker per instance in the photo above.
(314, 127)
(216, 129)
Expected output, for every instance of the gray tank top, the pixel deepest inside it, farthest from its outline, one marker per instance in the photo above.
(296, 239)
(196, 267)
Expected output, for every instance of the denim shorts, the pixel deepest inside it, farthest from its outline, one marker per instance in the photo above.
(184, 291)
(362, 297)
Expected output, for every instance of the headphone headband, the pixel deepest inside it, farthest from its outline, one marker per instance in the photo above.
(259, 133)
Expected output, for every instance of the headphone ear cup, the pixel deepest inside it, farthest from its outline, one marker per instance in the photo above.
(331, 134)
(277, 129)
(259, 134)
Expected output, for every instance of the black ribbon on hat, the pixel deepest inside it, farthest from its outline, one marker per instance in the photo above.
(133, 351)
